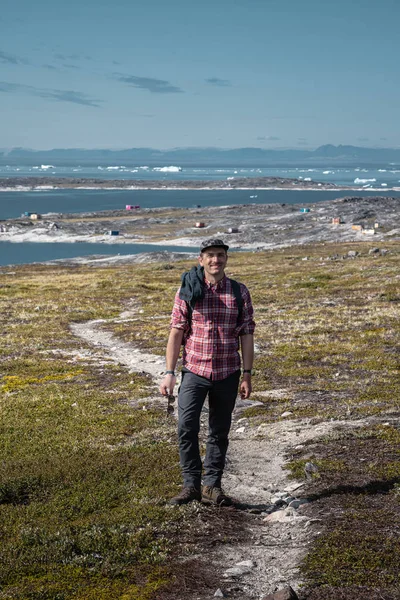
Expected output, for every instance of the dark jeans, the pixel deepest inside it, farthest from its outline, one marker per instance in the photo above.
(221, 399)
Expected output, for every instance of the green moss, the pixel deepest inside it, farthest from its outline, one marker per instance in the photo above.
(343, 558)
(323, 465)
(12, 383)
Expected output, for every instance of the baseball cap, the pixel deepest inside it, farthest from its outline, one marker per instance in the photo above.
(217, 243)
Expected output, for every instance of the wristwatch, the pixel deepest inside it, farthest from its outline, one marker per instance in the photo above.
(170, 372)
(250, 371)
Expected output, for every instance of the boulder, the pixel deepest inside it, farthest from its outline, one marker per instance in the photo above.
(286, 593)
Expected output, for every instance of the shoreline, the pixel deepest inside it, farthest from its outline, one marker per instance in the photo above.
(260, 227)
(202, 189)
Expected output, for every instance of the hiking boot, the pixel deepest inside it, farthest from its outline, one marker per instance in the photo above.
(186, 495)
(215, 495)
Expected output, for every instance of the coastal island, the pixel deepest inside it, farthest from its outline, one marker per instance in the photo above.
(249, 226)
(231, 183)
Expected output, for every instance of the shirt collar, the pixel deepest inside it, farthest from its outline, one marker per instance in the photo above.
(217, 286)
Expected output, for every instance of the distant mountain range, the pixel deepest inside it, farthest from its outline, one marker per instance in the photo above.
(256, 157)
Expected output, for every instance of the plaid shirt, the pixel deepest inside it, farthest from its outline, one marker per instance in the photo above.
(211, 348)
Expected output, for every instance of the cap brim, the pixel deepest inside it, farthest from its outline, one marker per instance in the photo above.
(226, 248)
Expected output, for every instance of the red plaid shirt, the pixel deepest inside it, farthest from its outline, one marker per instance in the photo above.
(211, 348)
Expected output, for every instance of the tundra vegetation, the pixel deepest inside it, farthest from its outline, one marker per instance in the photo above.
(87, 461)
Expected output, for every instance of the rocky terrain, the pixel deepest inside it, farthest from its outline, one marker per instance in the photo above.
(250, 226)
(230, 183)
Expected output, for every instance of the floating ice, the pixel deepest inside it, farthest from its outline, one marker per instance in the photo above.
(170, 169)
(47, 167)
(384, 184)
(358, 180)
(308, 178)
(327, 172)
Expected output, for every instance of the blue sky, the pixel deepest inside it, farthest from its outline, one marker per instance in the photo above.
(227, 73)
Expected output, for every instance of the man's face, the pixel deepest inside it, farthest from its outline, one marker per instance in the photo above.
(214, 261)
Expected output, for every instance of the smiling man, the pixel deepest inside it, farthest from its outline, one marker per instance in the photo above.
(211, 314)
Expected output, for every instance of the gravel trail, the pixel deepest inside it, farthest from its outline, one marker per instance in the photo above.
(254, 475)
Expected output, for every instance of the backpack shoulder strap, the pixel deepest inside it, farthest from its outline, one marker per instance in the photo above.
(237, 292)
(190, 307)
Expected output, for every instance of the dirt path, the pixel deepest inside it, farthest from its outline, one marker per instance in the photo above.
(254, 475)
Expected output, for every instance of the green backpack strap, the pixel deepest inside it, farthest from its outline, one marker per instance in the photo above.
(239, 302)
(238, 297)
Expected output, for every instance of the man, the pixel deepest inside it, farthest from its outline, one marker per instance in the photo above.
(210, 314)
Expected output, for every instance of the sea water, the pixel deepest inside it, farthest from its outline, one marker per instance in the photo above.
(31, 252)
(369, 176)
(14, 204)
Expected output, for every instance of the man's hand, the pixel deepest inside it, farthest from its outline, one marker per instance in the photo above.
(167, 385)
(245, 386)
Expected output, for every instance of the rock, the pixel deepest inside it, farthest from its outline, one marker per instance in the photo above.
(241, 568)
(286, 515)
(240, 430)
(310, 470)
(236, 572)
(295, 504)
(219, 594)
(373, 251)
(286, 414)
(352, 253)
(280, 516)
(277, 500)
(286, 593)
(246, 563)
(292, 487)
(288, 499)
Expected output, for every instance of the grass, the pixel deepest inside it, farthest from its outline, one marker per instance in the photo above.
(85, 470)
(356, 487)
(83, 476)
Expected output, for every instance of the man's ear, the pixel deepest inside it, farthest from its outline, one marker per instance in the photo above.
(200, 260)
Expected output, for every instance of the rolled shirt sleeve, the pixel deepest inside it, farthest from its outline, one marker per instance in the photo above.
(179, 317)
(247, 325)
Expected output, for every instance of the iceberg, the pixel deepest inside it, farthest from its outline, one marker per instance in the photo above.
(358, 180)
(170, 169)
